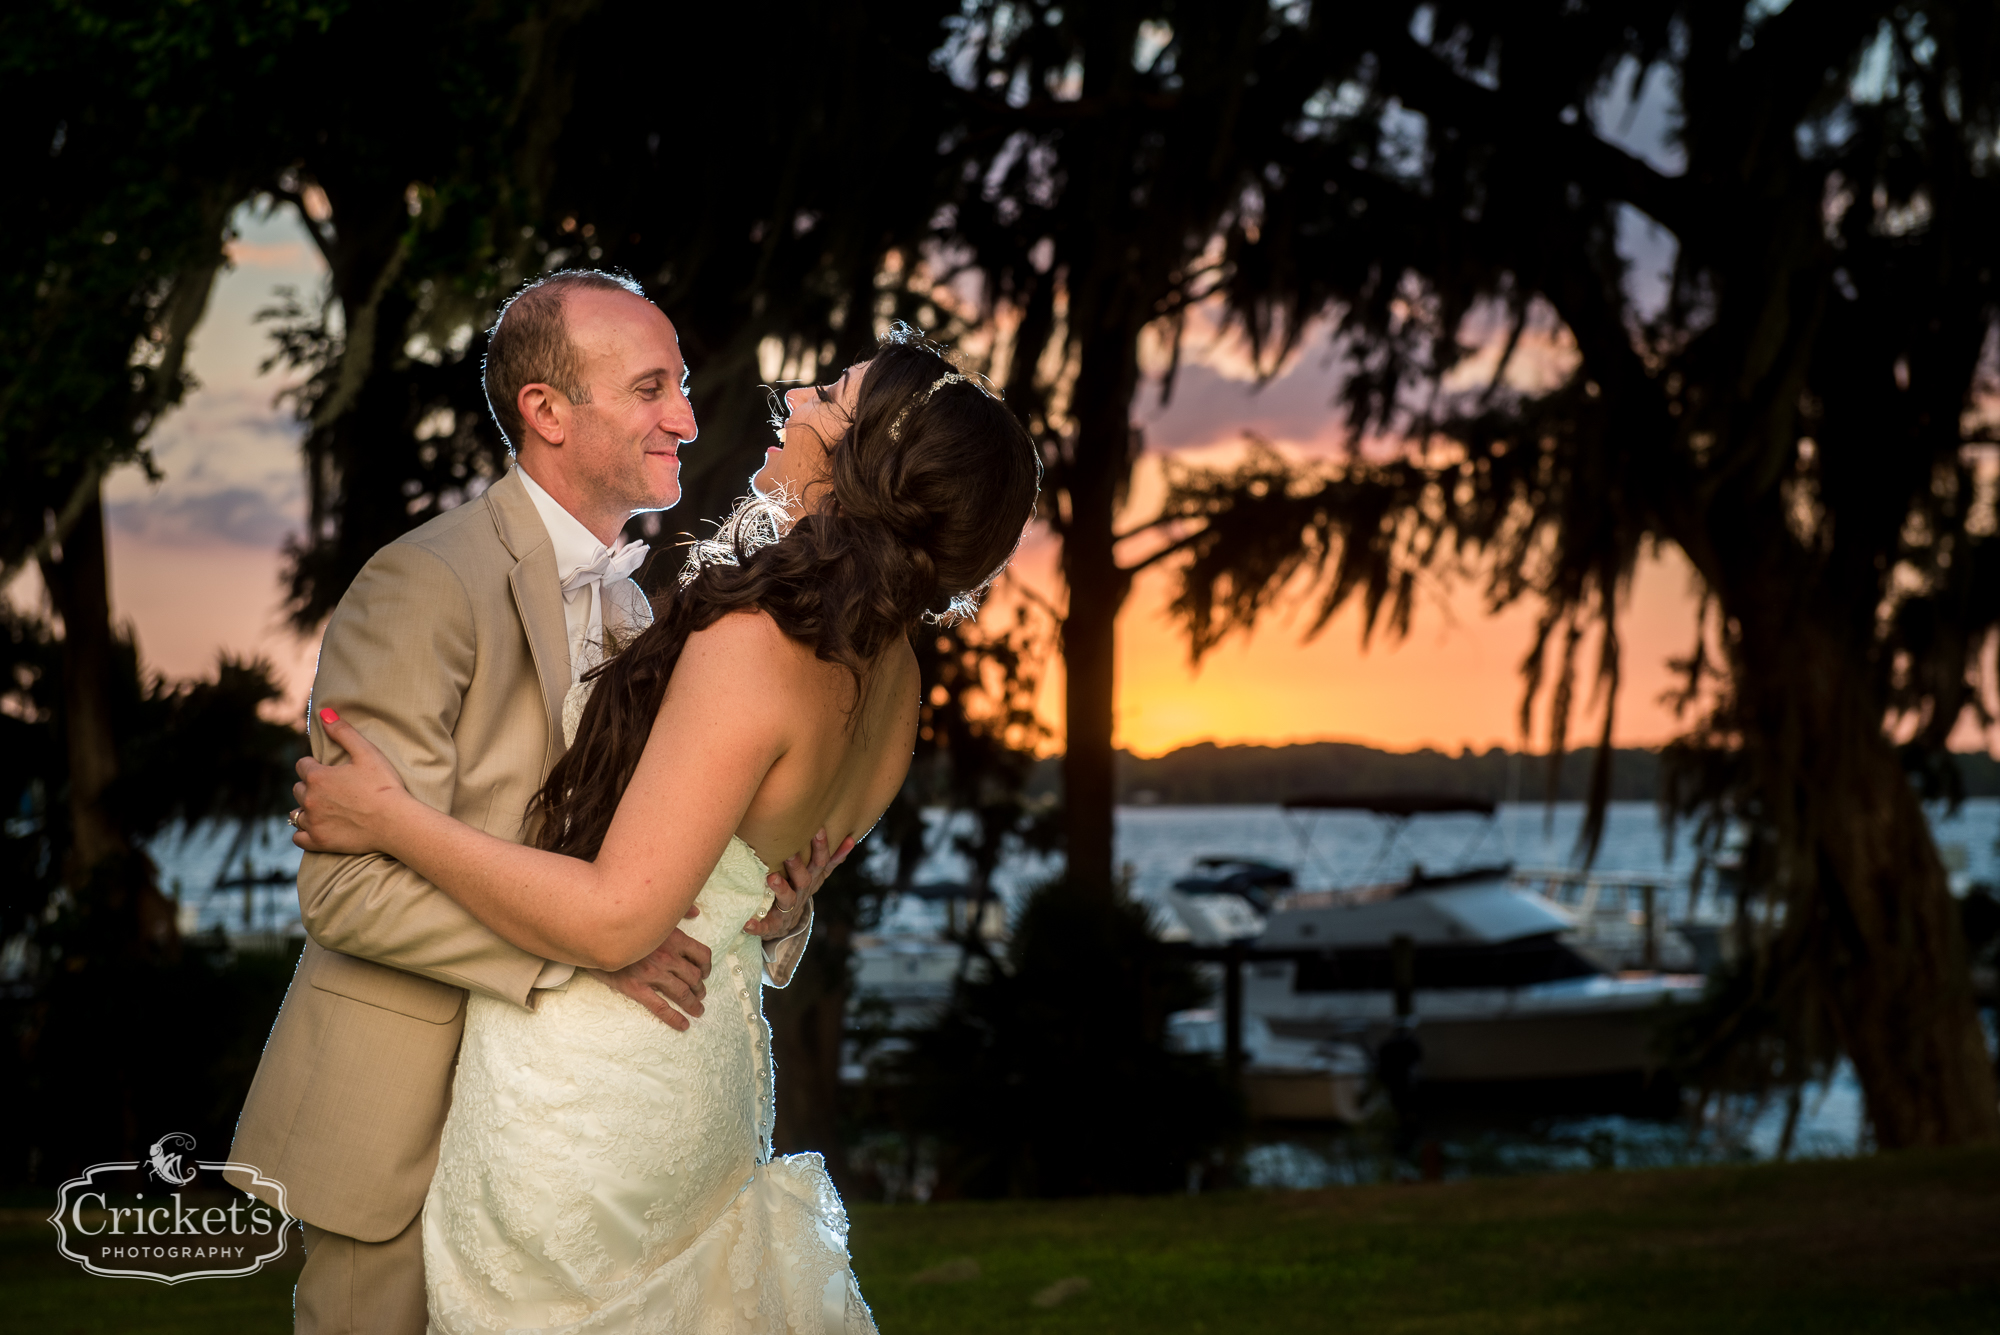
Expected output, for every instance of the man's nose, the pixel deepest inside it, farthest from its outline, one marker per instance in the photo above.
(678, 420)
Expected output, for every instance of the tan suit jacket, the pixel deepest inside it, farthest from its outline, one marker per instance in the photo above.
(450, 652)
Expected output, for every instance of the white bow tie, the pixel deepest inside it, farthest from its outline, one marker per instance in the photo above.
(607, 564)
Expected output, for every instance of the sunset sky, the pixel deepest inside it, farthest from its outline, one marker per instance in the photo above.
(195, 561)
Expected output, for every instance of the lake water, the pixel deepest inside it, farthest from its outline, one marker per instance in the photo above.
(1342, 849)
(1159, 845)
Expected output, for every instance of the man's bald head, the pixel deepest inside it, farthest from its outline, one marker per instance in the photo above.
(530, 344)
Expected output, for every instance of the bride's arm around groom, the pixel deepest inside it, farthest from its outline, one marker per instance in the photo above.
(401, 652)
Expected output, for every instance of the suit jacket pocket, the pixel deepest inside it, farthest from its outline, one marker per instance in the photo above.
(391, 989)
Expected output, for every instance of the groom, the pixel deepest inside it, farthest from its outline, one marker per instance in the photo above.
(456, 649)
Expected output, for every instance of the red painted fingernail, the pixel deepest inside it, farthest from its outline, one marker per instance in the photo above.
(329, 716)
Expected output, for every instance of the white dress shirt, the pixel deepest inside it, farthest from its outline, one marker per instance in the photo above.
(577, 551)
(582, 565)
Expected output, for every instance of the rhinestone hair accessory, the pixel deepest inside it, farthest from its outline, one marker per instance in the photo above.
(759, 519)
(948, 378)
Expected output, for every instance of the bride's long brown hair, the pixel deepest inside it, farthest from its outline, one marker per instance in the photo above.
(931, 486)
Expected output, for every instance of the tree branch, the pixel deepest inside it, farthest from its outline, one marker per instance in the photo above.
(1146, 527)
(297, 200)
(1428, 85)
(1177, 545)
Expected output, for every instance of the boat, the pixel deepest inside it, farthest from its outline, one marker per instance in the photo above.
(907, 979)
(1636, 920)
(1284, 1079)
(1475, 967)
(1475, 979)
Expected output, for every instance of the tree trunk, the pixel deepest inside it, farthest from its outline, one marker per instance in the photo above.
(1093, 476)
(1902, 994)
(78, 588)
(111, 881)
(1889, 956)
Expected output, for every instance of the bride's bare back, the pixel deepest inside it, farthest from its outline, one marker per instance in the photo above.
(843, 758)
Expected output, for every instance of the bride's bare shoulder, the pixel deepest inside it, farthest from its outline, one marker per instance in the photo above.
(749, 644)
(743, 643)
(749, 628)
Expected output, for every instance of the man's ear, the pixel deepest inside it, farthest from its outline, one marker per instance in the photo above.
(544, 411)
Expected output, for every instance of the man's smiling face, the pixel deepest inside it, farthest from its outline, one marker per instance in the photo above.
(626, 440)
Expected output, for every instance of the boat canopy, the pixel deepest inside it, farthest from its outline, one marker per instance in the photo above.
(1394, 804)
(1461, 916)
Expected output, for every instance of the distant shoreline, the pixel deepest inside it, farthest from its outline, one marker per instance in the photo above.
(1206, 774)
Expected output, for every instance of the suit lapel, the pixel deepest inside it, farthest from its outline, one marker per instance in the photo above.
(537, 595)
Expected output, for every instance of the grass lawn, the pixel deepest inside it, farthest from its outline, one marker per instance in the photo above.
(1898, 1243)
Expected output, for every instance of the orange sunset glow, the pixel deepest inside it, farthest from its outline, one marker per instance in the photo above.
(195, 563)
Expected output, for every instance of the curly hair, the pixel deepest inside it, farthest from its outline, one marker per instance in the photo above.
(932, 484)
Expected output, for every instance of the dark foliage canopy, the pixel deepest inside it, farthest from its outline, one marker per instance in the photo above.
(1804, 413)
(132, 130)
(756, 214)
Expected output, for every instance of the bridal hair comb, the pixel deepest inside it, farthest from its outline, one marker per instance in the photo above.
(948, 378)
(759, 519)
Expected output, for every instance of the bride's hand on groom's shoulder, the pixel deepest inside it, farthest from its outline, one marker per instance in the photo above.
(794, 885)
(341, 807)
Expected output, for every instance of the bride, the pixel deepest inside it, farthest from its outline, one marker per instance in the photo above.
(600, 1171)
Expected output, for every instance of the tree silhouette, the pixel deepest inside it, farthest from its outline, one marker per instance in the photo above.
(1100, 151)
(1805, 416)
(1804, 413)
(134, 130)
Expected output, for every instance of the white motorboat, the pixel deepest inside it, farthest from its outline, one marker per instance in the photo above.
(1495, 982)
(1492, 989)
(904, 975)
(1638, 920)
(908, 977)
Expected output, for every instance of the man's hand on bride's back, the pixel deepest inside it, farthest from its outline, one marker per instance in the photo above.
(794, 885)
(671, 976)
(341, 807)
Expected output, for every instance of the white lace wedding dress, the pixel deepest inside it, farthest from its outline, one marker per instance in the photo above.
(602, 1172)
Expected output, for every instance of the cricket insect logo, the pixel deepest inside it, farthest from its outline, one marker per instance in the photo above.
(164, 1159)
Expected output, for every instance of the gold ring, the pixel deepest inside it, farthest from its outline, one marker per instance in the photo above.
(293, 819)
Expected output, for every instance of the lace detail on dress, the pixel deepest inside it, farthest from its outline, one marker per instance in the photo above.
(601, 1171)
